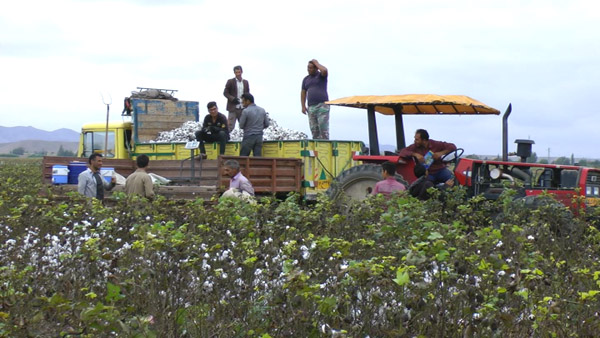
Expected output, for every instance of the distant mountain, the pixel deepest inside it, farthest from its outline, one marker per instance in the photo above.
(36, 146)
(15, 134)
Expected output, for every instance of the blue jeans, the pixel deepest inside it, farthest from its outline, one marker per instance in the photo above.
(440, 177)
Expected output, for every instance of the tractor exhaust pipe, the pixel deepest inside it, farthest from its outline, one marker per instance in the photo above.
(505, 132)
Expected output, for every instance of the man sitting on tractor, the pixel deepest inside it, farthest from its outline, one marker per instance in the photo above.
(429, 153)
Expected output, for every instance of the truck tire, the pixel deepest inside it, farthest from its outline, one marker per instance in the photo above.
(358, 182)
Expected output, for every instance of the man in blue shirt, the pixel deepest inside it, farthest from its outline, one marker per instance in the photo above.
(314, 88)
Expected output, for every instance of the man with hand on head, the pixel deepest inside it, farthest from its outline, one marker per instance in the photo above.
(314, 89)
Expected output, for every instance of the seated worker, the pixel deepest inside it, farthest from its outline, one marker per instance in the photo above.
(214, 129)
(389, 183)
(429, 153)
(419, 187)
(238, 184)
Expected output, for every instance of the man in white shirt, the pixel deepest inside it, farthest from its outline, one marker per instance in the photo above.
(90, 183)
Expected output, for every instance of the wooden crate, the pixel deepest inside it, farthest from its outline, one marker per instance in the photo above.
(151, 116)
(267, 174)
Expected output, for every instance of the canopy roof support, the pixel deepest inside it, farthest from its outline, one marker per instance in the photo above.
(373, 139)
(400, 139)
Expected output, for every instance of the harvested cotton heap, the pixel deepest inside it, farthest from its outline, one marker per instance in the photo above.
(186, 133)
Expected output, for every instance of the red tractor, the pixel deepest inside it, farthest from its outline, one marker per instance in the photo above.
(486, 177)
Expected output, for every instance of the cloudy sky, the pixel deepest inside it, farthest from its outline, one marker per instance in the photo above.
(58, 57)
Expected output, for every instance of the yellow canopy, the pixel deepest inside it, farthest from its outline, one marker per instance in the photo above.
(418, 104)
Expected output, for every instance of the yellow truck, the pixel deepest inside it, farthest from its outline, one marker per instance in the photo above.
(320, 160)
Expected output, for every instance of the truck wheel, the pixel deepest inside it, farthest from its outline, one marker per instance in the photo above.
(358, 182)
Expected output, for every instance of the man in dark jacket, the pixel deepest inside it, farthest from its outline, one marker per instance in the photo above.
(234, 89)
(214, 129)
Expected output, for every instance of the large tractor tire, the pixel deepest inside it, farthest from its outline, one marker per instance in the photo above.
(358, 182)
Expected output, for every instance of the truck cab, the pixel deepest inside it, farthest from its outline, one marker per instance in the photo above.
(93, 138)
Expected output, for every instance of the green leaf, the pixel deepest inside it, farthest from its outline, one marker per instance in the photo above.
(434, 235)
(113, 292)
(442, 255)
(402, 277)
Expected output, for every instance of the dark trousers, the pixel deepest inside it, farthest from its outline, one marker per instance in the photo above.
(221, 137)
(252, 143)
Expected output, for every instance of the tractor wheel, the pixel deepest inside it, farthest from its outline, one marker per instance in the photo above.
(358, 182)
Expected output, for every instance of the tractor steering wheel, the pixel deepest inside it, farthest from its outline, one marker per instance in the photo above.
(453, 156)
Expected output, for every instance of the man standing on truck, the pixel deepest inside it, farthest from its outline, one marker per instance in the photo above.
(214, 129)
(90, 183)
(429, 153)
(254, 119)
(234, 88)
(314, 88)
(140, 182)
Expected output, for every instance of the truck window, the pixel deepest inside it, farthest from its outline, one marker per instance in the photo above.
(93, 141)
(568, 179)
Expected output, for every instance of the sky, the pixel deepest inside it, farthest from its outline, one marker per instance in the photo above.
(62, 61)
